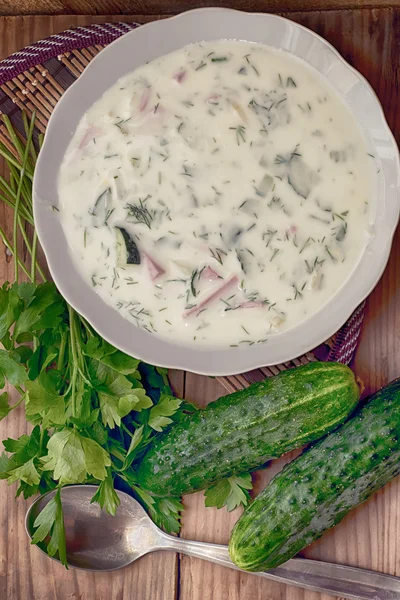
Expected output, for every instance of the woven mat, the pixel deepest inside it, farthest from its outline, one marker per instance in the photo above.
(35, 79)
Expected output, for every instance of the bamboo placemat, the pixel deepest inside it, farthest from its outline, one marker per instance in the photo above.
(35, 78)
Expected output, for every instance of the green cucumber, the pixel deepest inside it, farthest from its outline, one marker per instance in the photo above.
(241, 431)
(317, 489)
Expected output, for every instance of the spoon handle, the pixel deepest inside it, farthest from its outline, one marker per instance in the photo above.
(350, 582)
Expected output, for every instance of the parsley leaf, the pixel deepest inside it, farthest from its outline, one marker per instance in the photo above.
(137, 437)
(114, 408)
(44, 406)
(106, 495)
(166, 513)
(72, 457)
(230, 492)
(26, 472)
(24, 290)
(44, 310)
(11, 370)
(10, 307)
(160, 413)
(24, 448)
(51, 522)
(110, 356)
(136, 400)
(4, 407)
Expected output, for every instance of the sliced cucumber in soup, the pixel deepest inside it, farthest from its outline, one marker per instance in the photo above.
(101, 208)
(300, 177)
(127, 251)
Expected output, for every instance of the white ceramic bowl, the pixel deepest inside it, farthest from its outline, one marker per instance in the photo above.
(161, 37)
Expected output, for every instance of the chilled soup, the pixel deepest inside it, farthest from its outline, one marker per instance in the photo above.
(217, 195)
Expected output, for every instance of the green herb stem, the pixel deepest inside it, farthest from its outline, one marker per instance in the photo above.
(124, 427)
(61, 352)
(11, 160)
(26, 128)
(34, 264)
(32, 251)
(19, 189)
(21, 399)
(24, 214)
(18, 145)
(10, 197)
(72, 347)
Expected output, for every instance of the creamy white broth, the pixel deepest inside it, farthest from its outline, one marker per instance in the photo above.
(237, 178)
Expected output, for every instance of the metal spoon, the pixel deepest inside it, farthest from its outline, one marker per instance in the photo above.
(97, 541)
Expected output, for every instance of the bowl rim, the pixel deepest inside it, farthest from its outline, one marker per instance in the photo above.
(106, 320)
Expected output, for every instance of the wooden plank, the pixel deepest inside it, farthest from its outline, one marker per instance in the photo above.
(368, 537)
(128, 7)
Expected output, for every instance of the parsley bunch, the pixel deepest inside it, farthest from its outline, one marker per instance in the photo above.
(94, 409)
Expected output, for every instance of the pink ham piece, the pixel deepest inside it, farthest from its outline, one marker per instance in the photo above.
(88, 137)
(210, 274)
(251, 304)
(155, 270)
(213, 99)
(234, 279)
(180, 76)
(144, 100)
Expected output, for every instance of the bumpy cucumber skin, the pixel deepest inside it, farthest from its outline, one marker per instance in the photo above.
(241, 431)
(317, 489)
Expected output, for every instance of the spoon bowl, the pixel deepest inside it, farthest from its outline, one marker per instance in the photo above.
(96, 541)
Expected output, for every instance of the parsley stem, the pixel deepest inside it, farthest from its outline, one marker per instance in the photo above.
(71, 314)
(61, 352)
(117, 454)
(86, 325)
(124, 427)
(41, 439)
(21, 399)
(85, 379)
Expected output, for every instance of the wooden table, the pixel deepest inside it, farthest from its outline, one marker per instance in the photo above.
(368, 537)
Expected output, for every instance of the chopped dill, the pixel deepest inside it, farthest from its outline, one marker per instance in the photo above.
(305, 245)
(201, 66)
(240, 133)
(141, 213)
(297, 293)
(330, 253)
(275, 252)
